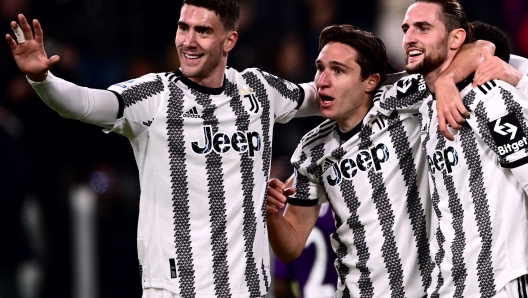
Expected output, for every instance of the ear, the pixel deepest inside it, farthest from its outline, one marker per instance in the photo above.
(457, 38)
(230, 41)
(372, 82)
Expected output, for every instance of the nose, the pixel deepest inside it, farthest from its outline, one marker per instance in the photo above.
(408, 38)
(189, 38)
(323, 80)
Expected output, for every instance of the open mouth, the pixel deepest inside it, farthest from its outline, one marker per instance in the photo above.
(414, 53)
(325, 99)
(192, 57)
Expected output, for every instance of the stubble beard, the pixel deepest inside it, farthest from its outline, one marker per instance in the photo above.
(430, 62)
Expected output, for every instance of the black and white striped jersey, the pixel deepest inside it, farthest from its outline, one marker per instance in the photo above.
(204, 156)
(376, 182)
(477, 191)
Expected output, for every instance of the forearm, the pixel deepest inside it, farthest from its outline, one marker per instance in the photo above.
(465, 63)
(99, 107)
(283, 238)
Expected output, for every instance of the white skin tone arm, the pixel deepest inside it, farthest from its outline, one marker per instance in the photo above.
(488, 67)
(288, 232)
(99, 107)
(450, 110)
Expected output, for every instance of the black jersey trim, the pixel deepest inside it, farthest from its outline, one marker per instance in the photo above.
(322, 134)
(301, 97)
(301, 202)
(198, 87)
(347, 135)
(515, 164)
(121, 104)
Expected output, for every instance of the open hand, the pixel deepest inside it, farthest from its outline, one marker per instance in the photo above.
(30, 55)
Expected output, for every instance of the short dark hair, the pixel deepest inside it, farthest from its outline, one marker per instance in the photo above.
(227, 10)
(491, 33)
(371, 52)
(453, 16)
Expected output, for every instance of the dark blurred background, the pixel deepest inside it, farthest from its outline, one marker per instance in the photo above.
(69, 192)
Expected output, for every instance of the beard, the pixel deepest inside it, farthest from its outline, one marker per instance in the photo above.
(430, 62)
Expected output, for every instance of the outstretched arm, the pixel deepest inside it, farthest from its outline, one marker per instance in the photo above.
(288, 232)
(30, 55)
(448, 102)
(99, 107)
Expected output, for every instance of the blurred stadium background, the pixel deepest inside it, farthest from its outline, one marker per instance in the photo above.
(69, 193)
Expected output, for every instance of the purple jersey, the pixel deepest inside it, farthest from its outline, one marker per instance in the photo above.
(314, 269)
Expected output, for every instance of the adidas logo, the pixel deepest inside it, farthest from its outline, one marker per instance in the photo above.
(327, 163)
(192, 113)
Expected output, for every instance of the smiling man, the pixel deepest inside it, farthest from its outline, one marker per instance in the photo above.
(478, 181)
(201, 137)
(369, 167)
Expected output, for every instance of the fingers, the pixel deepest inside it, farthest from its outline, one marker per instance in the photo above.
(11, 42)
(486, 54)
(443, 128)
(52, 61)
(39, 34)
(28, 34)
(289, 191)
(19, 34)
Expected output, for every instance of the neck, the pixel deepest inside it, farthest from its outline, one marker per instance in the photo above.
(431, 77)
(356, 116)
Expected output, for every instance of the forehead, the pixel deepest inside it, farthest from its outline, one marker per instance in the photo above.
(194, 15)
(339, 52)
(422, 12)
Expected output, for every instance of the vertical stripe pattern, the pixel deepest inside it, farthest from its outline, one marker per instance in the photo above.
(180, 197)
(217, 205)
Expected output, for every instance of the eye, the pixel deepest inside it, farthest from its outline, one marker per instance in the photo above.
(338, 70)
(319, 68)
(424, 29)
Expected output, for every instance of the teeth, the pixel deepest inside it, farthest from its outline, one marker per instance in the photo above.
(414, 52)
(192, 56)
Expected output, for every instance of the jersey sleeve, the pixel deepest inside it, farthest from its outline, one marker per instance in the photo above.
(139, 101)
(406, 95)
(308, 189)
(502, 121)
(522, 86)
(93, 106)
(291, 100)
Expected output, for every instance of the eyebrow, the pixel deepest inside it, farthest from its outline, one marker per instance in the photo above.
(197, 28)
(416, 24)
(333, 63)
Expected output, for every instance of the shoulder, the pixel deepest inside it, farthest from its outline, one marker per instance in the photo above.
(149, 79)
(519, 63)
(319, 135)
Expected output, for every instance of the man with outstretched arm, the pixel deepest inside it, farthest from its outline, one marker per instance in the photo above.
(201, 137)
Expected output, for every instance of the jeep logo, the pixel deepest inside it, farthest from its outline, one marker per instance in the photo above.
(222, 143)
(443, 160)
(364, 161)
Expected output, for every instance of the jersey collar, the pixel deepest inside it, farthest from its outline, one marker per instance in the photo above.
(198, 87)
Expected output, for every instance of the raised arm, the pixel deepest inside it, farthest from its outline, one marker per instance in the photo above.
(99, 107)
(30, 55)
(448, 102)
(288, 232)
